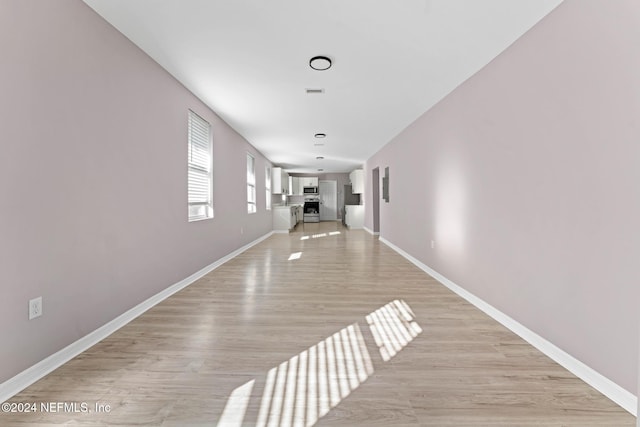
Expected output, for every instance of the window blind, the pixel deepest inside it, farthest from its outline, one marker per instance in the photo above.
(251, 184)
(267, 187)
(199, 165)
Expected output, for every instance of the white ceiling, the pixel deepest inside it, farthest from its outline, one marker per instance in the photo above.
(392, 60)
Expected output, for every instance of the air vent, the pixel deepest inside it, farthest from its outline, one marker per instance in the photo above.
(310, 90)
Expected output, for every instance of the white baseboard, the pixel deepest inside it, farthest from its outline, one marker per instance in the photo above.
(370, 231)
(596, 380)
(14, 385)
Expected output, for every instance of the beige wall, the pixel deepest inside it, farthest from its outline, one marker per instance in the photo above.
(527, 179)
(93, 179)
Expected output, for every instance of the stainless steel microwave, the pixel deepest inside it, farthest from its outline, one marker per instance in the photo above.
(310, 190)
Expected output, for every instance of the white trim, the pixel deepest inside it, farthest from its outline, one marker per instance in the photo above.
(280, 231)
(370, 231)
(596, 380)
(24, 379)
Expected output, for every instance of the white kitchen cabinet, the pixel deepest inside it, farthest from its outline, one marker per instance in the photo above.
(296, 186)
(279, 181)
(308, 181)
(285, 182)
(293, 218)
(354, 216)
(357, 181)
(276, 180)
(299, 214)
(285, 218)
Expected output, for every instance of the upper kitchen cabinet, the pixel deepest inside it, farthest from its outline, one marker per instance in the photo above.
(357, 181)
(308, 181)
(279, 181)
(295, 185)
(285, 183)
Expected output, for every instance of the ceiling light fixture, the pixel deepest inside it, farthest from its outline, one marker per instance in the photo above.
(320, 170)
(320, 63)
(320, 135)
(319, 158)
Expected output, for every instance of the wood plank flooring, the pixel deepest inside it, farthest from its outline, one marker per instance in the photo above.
(345, 333)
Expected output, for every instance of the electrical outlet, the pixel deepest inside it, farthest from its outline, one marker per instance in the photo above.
(35, 308)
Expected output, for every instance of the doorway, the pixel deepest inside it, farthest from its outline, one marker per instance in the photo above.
(328, 193)
(375, 187)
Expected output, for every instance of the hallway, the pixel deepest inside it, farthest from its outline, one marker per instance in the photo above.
(322, 326)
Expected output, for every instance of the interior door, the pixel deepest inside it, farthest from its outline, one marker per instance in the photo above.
(328, 194)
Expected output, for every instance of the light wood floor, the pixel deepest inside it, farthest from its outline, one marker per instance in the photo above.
(348, 334)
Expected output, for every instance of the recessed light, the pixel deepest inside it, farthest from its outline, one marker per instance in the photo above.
(320, 135)
(320, 63)
(319, 158)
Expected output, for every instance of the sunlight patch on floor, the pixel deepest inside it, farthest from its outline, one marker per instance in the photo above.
(317, 236)
(303, 389)
(236, 406)
(393, 327)
(295, 255)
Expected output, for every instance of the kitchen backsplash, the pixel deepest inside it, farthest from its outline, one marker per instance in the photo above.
(295, 200)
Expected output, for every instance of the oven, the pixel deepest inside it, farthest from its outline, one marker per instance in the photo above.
(311, 211)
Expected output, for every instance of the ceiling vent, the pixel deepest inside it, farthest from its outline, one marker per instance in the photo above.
(315, 90)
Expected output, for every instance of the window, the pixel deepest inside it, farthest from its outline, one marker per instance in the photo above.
(267, 186)
(199, 165)
(251, 184)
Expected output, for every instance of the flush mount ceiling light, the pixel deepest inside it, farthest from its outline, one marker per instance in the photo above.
(320, 135)
(320, 63)
(319, 158)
